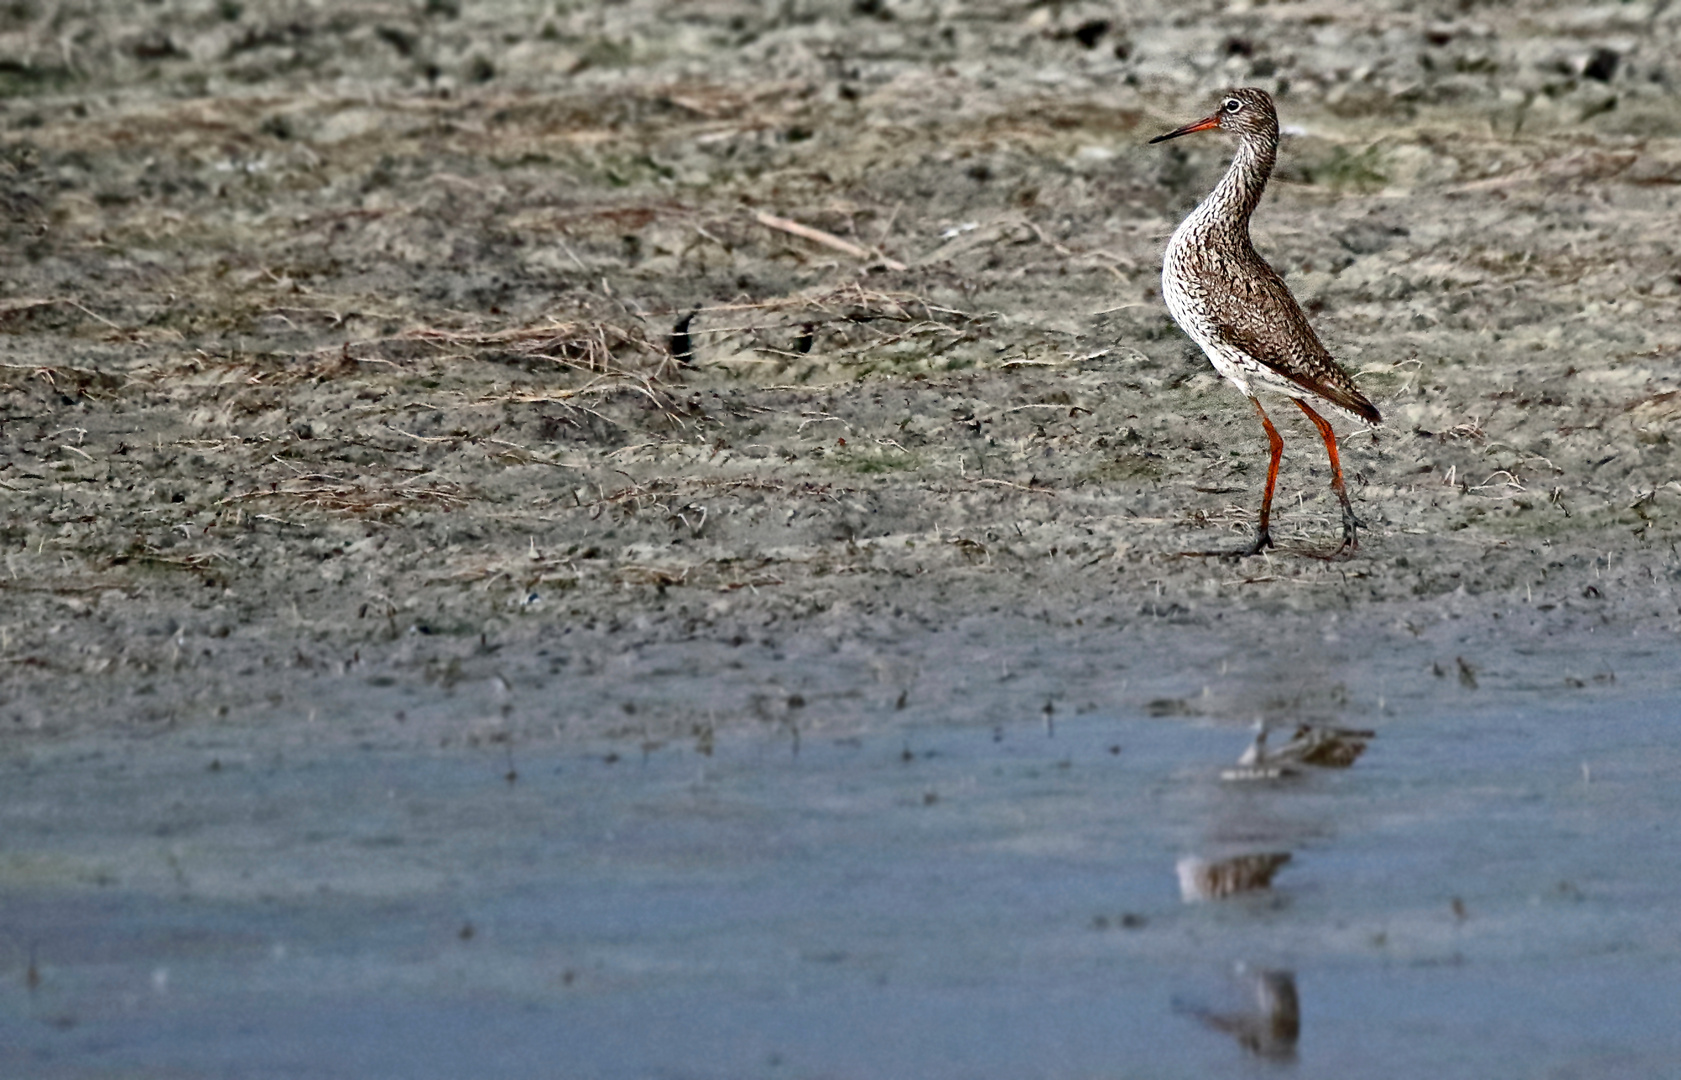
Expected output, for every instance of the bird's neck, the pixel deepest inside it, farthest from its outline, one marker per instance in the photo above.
(1235, 197)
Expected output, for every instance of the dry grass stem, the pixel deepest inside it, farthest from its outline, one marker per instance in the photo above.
(818, 236)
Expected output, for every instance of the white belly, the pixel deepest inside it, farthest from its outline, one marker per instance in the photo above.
(1187, 304)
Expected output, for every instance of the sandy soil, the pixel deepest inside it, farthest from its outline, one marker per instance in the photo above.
(337, 364)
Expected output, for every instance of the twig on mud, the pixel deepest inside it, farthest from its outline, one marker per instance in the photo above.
(1472, 430)
(753, 584)
(89, 312)
(1231, 516)
(418, 438)
(818, 418)
(866, 304)
(914, 330)
(16, 306)
(354, 498)
(652, 491)
(591, 346)
(631, 449)
(615, 381)
(1510, 482)
(731, 485)
(1036, 490)
(196, 561)
(522, 454)
(818, 236)
(775, 353)
(561, 398)
(633, 574)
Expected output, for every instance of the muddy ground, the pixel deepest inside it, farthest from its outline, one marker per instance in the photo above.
(338, 390)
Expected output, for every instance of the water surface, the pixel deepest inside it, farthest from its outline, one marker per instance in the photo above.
(1481, 896)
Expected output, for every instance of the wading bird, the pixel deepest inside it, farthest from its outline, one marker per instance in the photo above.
(1239, 310)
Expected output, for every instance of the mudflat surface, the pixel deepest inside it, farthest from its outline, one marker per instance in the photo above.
(339, 408)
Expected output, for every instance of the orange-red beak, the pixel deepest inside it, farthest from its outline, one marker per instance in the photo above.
(1201, 125)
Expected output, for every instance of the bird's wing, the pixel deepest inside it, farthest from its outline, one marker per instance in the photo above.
(1255, 312)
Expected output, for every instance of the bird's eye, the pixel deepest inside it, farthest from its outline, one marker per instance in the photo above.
(1233, 104)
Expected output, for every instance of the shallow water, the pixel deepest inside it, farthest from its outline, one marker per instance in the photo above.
(941, 902)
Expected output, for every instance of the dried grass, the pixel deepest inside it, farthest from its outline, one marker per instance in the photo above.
(849, 313)
(357, 499)
(596, 348)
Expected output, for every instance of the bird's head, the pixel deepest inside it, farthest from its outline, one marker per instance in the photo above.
(1245, 111)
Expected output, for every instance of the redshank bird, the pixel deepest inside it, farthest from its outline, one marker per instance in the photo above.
(1239, 310)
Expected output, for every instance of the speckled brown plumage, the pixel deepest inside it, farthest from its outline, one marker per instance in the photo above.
(1230, 302)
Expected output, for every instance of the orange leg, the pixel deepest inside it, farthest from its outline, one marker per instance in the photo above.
(1349, 521)
(1263, 533)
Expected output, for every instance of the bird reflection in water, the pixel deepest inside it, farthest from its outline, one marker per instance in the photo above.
(1217, 879)
(1321, 745)
(1269, 1028)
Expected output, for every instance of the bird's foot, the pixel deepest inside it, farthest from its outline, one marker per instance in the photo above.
(1343, 551)
(1350, 531)
(1262, 541)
